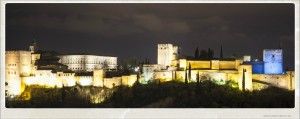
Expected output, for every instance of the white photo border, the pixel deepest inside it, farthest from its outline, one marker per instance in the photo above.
(39, 113)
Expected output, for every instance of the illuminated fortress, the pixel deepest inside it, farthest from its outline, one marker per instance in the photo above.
(25, 68)
(248, 74)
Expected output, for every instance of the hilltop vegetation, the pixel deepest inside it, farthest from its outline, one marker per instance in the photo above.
(206, 94)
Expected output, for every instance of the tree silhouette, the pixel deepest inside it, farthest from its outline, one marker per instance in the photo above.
(210, 54)
(203, 54)
(196, 56)
(221, 53)
(190, 71)
(198, 78)
(185, 77)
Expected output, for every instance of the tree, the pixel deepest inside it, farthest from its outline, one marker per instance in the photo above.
(190, 71)
(185, 76)
(210, 53)
(175, 76)
(221, 52)
(243, 80)
(198, 78)
(196, 56)
(203, 54)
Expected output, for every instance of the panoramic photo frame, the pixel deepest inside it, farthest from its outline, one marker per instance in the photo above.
(166, 61)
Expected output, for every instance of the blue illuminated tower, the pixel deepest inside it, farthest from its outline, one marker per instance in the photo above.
(273, 61)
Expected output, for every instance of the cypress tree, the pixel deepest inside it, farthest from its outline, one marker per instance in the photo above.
(175, 76)
(185, 77)
(221, 53)
(196, 56)
(210, 53)
(203, 54)
(243, 80)
(190, 71)
(198, 80)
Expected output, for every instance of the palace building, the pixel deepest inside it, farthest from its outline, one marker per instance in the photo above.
(79, 63)
(51, 69)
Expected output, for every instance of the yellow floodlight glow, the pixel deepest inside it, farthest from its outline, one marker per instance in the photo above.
(14, 87)
(85, 81)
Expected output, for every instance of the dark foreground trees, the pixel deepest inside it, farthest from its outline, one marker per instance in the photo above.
(169, 94)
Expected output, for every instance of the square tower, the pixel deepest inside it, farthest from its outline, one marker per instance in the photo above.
(273, 61)
(17, 65)
(165, 54)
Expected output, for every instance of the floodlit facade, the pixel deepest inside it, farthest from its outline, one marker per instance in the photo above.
(82, 63)
(17, 65)
(273, 61)
(166, 53)
(21, 70)
(242, 71)
(247, 58)
(148, 72)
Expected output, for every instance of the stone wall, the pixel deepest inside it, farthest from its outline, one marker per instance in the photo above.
(112, 82)
(286, 81)
(227, 64)
(199, 64)
(98, 76)
(84, 80)
(129, 80)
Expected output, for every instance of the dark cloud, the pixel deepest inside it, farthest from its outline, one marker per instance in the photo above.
(133, 30)
(153, 23)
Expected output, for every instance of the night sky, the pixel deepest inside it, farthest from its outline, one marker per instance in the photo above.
(134, 30)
